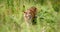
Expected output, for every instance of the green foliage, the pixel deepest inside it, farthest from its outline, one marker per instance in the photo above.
(12, 20)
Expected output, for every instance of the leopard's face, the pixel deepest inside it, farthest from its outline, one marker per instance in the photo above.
(29, 14)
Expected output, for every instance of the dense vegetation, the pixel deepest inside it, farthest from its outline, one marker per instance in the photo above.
(11, 15)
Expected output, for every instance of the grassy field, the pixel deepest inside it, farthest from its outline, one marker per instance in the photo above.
(11, 15)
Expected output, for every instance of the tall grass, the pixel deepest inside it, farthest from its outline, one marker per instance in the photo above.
(11, 15)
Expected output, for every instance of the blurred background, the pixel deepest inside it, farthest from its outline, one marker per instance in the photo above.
(11, 15)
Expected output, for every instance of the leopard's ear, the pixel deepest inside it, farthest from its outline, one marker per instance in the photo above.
(24, 12)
